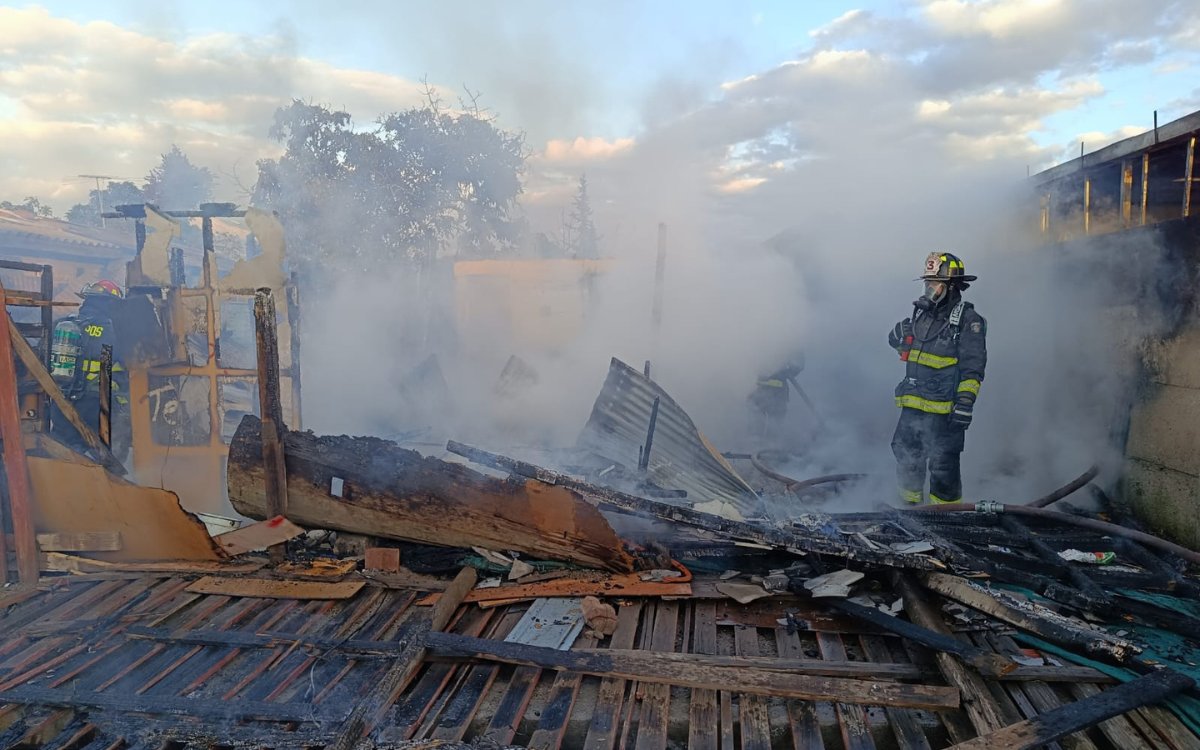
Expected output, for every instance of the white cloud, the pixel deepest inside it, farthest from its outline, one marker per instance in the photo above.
(95, 97)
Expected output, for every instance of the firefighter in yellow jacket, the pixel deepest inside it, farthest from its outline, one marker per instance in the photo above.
(944, 351)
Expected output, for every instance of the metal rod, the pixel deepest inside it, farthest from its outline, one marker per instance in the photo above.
(1187, 176)
(644, 463)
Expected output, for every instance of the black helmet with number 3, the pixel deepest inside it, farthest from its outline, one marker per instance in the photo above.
(946, 267)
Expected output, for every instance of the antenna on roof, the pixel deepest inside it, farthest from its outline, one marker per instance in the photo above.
(99, 192)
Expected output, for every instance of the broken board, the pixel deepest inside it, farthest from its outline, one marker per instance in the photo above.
(76, 498)
(271, 588)
(258, 536)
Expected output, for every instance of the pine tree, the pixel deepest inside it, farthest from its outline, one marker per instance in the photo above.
(585, 243)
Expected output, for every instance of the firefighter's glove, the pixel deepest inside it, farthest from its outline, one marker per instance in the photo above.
(900, 338)
(960, 417)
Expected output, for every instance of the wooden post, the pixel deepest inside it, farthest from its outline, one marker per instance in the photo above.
(271, 408)
(104, 428)
(47, 338)
(15, 468)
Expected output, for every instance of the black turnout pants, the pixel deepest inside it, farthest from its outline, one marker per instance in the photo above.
(922, 441)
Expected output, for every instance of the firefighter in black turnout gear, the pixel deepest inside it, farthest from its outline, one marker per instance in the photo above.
(75, 365)
(943, 347)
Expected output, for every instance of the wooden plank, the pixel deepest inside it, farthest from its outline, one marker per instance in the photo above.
(460, 710)
(802, 715)
(904, 722)
(86, 541)
(650, 669)
(1088, 712)
(393, 682)
(981, 708)
(271, 410)
(387, 491)
(258, 536)
(57, 562)
(702, 712)
(270, 588)
(755, 725)
(1168, 726)
(621, 584)
(889, 671)
(602, 732)
(505, 722)
(552, 724)
(856, 729)
(1042, 698)
(413, 707)
(16, 471)
(1118, 729)
(656, 705)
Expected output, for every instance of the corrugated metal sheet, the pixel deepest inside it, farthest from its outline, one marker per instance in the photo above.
(680, 456)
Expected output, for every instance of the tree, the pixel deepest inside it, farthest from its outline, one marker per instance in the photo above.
(115, 194)
(419, 181)
(583, 242)
(32, 204)
(176, 183)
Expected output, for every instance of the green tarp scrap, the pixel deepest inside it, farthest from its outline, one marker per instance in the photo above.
(1185, 706)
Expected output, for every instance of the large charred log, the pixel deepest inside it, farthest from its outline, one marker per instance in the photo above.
(371, 486)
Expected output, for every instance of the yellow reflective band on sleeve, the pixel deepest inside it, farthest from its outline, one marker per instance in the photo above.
(931, 360)
(971, 385)
(914, 497)
(771, 383)
(938, 501)
(91, 365)
(909, 401)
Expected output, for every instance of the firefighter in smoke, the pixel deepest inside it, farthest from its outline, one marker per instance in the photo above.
(943, 347)
(769, 399)
(75, 360)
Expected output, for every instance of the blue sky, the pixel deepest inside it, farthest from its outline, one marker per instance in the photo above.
(103, 88)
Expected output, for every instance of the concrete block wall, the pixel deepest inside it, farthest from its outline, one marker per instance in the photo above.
(1162, 466)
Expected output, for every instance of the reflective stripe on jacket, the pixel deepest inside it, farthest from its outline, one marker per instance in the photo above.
(947, 359)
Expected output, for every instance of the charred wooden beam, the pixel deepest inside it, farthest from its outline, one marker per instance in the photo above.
(1050, 726)
(1037, 620)
(371, 486)
(271, 408)
(792, 539)
(648, 667)
(987, 662)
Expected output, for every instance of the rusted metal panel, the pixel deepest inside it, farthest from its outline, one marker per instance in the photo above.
(681, 457)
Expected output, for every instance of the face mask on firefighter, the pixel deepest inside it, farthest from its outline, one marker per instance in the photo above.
(935, 291)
